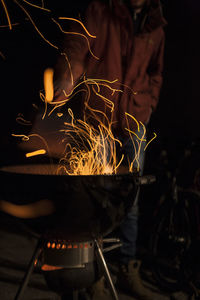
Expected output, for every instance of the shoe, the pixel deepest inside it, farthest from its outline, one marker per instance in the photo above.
(99, 291)
(129, 281)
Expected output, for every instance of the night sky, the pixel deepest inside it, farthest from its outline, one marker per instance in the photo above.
(27, 55)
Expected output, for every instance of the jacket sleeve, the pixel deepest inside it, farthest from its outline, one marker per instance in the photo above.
(155, 71)
(78, 43)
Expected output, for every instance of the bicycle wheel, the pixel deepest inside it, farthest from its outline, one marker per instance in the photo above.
(169, 243)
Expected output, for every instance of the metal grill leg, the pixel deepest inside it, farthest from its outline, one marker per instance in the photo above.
(106, 271)
(29, 271)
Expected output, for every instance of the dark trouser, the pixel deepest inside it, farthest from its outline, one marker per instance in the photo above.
(129, 227)
(128, 236)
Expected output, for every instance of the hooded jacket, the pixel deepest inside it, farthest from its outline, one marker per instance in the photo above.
(134, 60)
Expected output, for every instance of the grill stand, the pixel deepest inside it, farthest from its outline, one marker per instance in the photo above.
(17, 179)
(99, 256)
(106, 271)
(30, 268)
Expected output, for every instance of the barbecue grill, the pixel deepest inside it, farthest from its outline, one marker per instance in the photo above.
(86, 209)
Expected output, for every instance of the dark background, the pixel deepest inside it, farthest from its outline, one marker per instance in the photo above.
(176, 119)
(177, 115)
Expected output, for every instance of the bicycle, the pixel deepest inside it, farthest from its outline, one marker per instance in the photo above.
(175, 237)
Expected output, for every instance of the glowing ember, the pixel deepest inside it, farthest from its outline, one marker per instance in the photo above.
(35, 153)
(48, 84)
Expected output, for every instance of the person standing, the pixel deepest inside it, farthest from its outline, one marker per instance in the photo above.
(128, 45)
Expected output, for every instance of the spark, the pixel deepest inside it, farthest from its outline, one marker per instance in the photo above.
(42, 97)
(138, 141)
(35, 153)
(56, 104)
(34, 25)
(132, 117)
(69, 66)
(26, 138)
(72, 19)
(48, 85)
(108, 102)
(34, 5)
(140, 144)
(7, 14)
(132, 132)
(76, 33)
(155, 135)
(129, 88)
(20, 119)
(88, 150)
(112, 89)
(5, 26)
(55, 107)
(35, 106)
(87, 82)
(91, 151)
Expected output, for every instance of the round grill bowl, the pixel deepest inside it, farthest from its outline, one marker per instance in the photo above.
(85, 205)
